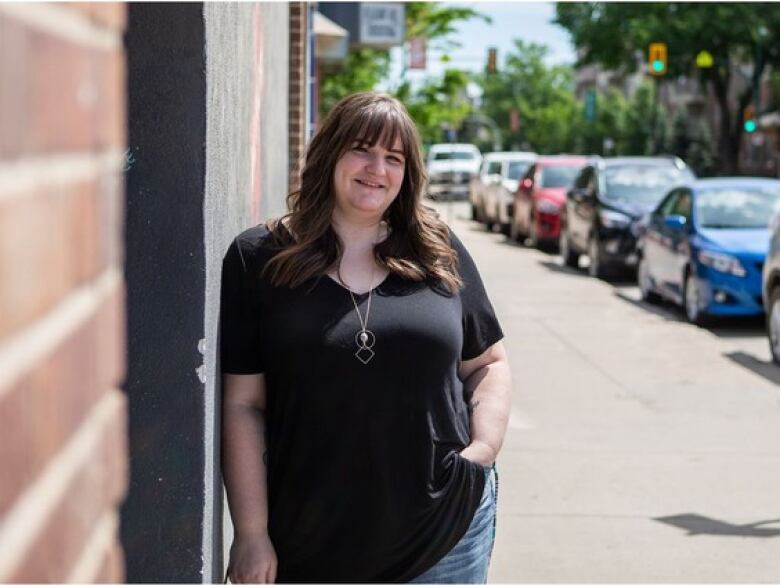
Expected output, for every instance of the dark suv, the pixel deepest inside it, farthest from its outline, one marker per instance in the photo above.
(602, 209)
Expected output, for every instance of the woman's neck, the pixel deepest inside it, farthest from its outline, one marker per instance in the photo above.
(359, 236)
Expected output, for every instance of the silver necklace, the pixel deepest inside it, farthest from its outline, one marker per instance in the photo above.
(364, 338)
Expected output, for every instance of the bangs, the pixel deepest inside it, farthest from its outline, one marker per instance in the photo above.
(380, 124)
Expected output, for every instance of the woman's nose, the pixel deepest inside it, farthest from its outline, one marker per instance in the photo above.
(376, 164)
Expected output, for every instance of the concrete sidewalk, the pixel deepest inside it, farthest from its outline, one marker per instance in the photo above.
(640, 448)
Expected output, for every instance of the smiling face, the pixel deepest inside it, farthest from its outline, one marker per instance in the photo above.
(367, 179)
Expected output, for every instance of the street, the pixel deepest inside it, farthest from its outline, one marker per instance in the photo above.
(640, 448)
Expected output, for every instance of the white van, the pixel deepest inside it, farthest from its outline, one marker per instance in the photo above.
(451, 168)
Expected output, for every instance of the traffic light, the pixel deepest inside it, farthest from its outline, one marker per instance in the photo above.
(749, 119)
(492, 66)
(657, 59)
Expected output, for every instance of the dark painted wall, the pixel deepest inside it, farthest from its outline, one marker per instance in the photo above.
(162, 519)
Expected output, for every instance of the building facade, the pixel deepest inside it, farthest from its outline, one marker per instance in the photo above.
(136, 140)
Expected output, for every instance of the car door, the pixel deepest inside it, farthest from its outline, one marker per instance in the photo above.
(655, 247)
(581, 203)
(524, 198)
(478, 197)
(492, 184)
(679, 245)
(668, 241)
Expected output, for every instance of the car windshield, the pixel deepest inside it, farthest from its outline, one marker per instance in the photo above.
(553, 177)
(517, 169)
(453, 155)
(641, 183)
(737, 208)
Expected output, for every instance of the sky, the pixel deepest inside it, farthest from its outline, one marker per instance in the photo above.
(529, 21)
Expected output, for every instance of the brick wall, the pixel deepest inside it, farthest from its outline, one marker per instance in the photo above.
(63, 450)
(298, 87)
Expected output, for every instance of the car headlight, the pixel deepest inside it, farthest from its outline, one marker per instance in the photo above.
(545, 206)
(721, 262)
(614, 219)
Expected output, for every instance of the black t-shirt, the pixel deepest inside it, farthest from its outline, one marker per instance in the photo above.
(365, 480)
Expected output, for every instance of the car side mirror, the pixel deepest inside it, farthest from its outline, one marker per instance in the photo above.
(676, 222)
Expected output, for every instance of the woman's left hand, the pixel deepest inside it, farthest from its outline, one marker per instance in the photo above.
(479, 453)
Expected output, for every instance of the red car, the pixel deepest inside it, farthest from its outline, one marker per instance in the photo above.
(540, 196)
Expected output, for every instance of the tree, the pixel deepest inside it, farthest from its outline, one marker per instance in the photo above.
(617, 35)
(366, 67)
(541, 95)
(363, 70)
(436, 103)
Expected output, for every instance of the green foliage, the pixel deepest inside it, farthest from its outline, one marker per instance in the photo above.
(363, 70)
(365, 67)
(436, 22)
(699, 151)
(617, 35)
(639, 122)
(438, 102)
(542, 96)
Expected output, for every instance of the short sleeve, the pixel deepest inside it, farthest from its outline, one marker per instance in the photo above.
(239, 316)
(480, 325)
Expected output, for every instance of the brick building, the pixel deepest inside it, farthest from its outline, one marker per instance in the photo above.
(135, 141)
(62, 349)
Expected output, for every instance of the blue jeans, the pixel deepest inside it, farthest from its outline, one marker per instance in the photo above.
(469, 559)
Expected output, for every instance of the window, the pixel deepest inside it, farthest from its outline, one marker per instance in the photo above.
(683, 205)
(667, 207)
(516, 169)
(558, 176)
(584, 178)
(456, 155)
(494, 168)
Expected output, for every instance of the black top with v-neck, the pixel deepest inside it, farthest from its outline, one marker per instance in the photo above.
(365, 480)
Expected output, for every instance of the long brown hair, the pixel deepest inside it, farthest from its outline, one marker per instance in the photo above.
(417, 246)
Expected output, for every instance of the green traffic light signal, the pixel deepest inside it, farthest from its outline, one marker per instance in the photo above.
(658, 66)
(750, 126)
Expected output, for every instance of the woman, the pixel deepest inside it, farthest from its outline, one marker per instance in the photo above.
(366, 389)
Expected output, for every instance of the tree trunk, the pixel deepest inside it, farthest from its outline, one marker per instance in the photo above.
(731, 126)
(728, 139)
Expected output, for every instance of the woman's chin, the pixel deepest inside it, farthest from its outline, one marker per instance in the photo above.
(369, 204)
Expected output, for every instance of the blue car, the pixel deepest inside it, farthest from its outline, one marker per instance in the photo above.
(705, 244)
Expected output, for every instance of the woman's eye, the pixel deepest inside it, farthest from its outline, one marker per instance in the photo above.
(395, 160)
(360, 149)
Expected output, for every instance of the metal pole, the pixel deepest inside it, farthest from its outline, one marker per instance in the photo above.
(654, 117)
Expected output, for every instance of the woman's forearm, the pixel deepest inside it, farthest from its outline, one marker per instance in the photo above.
(490, 391)
(244, 468)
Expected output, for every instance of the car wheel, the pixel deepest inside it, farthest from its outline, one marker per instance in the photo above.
(597, 267)
(773, 324)
(645, 282)
(570, 257)
(490, 220)
(533, 235)
(514, 231)
(691, 301)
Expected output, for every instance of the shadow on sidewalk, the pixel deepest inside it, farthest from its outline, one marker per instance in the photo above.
(696, 524)
(767, 370)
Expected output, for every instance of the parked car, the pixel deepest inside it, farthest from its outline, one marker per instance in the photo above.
(540, 197)
(451, 168)
(492, 193)
(607, 199)
(705, 245)
(770, 288)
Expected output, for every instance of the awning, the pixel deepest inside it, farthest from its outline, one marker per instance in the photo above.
(325, 27)
(331, 39)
